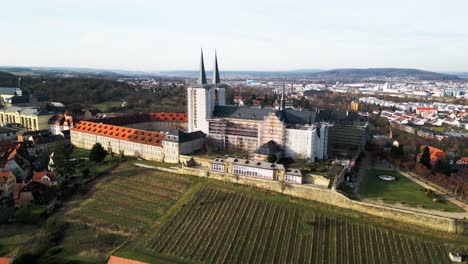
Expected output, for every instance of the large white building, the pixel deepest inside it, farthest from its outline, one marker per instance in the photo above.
(300, 132)
(166, 147)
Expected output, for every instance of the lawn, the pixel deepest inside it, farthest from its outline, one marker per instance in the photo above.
(157, 163)
(109, 106)
(403, 191)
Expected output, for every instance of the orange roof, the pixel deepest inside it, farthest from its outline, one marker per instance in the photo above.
(163, 116)
(6, 260)
(122, 133)
(118, 260)
(436, 154)
(426, 108)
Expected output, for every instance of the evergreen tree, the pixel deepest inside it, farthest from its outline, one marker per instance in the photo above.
(271, 158)
(426, 157)
(97, 153)
(444, 166)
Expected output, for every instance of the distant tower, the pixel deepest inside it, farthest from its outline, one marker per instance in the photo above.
(202, 99)
(283, 99)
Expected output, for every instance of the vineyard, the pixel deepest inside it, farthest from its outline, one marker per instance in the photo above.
(220, 226)
(133, 199)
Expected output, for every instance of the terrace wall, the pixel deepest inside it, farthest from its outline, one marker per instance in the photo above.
(327, 196)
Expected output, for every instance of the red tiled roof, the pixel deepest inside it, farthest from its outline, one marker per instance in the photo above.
(122, 133)
(6, 260)
(142, 117)
(39, 174)
(163, 116)
(436, 154)
(119, 260)
(426, 108)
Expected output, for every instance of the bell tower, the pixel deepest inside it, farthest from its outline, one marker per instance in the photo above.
(200, 102)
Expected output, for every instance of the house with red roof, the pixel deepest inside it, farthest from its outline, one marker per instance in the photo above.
(6, 260)
(7, 183)
(426, 111)
(46, 177)
(12, 158)
(26, 194)
(61, 122)
(435, 154)
(463, 160)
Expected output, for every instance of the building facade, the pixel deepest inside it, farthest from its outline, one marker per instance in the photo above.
(245, 128)
(30, 118)
(164, 147)
(249, 168)
(7, 183)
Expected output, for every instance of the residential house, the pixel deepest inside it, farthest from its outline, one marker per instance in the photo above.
(435, 154)
(60, 122)
(13, 158)
(26, 194)
(7, 183)
(46, 177)
(8, 134)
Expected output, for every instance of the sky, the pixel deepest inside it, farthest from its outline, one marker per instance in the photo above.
(153, 35)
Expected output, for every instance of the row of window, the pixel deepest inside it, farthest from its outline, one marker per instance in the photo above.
(293, 179)
(253, 172)
(217, 167)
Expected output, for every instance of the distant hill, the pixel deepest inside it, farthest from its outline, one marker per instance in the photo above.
(356, 74)
(332, 75)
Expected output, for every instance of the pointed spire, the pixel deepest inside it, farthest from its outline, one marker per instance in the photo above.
(283, 99)
(202, 75)
(216, 79)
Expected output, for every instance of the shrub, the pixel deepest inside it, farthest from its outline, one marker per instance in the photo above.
(97, 153)
(428, 192)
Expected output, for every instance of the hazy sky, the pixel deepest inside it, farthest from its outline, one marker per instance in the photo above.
(249, 34)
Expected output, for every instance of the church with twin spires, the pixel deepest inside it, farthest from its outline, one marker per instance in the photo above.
(299, 133)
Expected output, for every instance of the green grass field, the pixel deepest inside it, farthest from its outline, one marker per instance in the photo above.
(109, 106)
(403, 191)
(216, 225)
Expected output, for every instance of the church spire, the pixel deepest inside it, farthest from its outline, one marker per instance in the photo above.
(202, 75)
(216, 79)
(283, 99)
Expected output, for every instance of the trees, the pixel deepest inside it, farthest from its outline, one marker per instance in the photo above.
(426, 157)
(97, 153)
(443, 166)
(61, 164)
(271, 158)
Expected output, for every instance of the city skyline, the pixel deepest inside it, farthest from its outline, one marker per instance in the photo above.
(265, 36)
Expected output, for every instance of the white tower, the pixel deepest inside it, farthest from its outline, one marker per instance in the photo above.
(200, 102)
